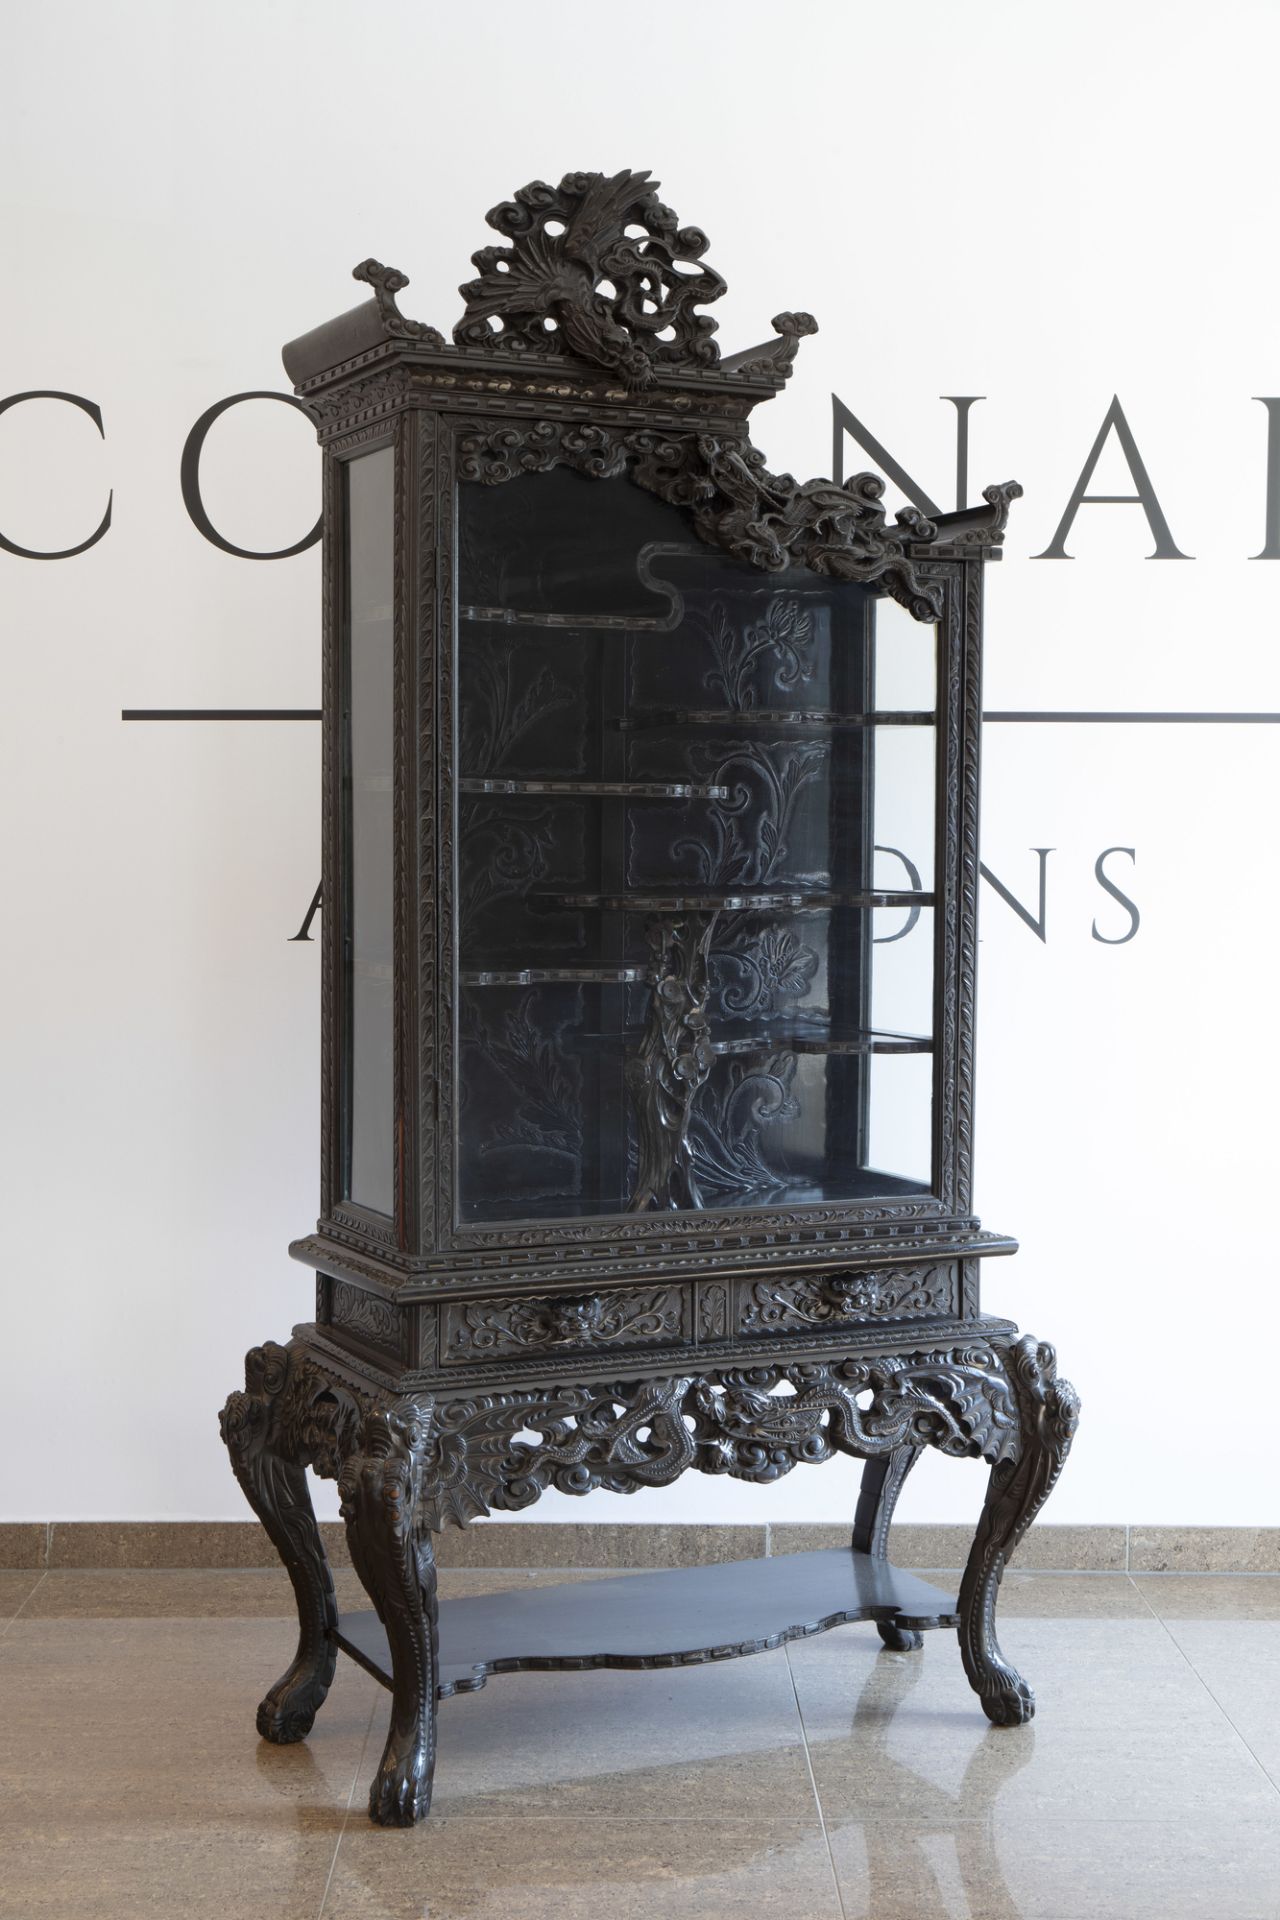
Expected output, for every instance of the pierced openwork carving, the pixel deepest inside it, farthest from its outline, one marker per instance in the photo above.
(594, 268)
(624, 1437)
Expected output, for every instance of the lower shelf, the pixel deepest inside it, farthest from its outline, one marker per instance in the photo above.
(682, 1617)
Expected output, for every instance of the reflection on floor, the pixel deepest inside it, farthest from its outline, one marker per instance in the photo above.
(828, 1779)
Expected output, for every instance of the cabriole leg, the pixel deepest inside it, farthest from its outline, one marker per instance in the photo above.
(380, 1487)
(882, 1482)
(275, 1486)
(1048, 1413)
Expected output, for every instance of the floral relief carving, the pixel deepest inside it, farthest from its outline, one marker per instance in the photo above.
(366, 1314)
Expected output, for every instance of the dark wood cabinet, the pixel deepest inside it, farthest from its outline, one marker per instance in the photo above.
(649, 896)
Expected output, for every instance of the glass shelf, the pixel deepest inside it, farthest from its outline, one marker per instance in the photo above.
(555, 976)
(764, 901)
(778, 720)
(759, 1042)
(814, 1040)
(574, 623)
(609, 789)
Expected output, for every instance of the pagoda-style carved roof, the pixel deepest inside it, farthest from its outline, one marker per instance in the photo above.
(597, 271)
(597, 299)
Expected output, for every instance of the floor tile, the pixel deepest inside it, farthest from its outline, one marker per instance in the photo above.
(1210, 1596)
(1123, 1728)
(157, 1716)
(149, 1864)
(1008, 1869)
(16, 1590)
(1239, 1662)
(713, 1742)
(598, 1869)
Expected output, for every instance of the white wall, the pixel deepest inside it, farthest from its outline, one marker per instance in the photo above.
(1043, 206)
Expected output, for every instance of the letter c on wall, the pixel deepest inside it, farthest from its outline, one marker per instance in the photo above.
(191, 480)
(95, 414)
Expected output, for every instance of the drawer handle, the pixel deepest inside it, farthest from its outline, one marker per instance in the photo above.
(572, 1323)
(854, 1292)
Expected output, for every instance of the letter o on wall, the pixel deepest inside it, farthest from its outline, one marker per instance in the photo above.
(191, 480)
(95, 414)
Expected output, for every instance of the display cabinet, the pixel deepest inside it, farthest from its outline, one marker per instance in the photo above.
(650, 881)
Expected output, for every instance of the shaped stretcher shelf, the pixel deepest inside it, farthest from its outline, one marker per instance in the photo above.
(659, 1619)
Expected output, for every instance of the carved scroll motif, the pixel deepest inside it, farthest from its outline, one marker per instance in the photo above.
(594, 268)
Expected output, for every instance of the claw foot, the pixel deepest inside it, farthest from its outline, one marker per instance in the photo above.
(1010, 1702)
(289, 1710)
(899, 1639)
(401, 1791)
(284, 1723)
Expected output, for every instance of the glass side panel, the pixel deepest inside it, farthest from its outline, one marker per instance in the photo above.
(696, 819)
(370, 507)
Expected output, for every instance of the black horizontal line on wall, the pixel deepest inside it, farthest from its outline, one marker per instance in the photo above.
(1060, 718)
(1139, 719)
(220, 713)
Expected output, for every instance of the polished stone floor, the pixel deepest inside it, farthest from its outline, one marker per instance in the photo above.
(826, 1781)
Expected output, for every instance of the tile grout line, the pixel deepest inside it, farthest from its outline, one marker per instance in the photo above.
(1192, 1668)
(18, 1611)
(817, 1797)
(346, 1811)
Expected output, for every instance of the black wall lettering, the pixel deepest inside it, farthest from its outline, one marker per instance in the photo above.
(1145, 497)
(191, 480)
(304, 931)
(1036, 922)
(95, 414)
(962, 403)
(1135, 918)
(843, 421)
(1271, 542)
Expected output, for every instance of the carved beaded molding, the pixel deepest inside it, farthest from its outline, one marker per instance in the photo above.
(500, 1451)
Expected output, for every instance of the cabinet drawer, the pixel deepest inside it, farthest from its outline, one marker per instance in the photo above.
(783, 1305)
(619, 1318)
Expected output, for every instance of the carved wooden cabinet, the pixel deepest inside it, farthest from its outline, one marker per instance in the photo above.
(650, 882)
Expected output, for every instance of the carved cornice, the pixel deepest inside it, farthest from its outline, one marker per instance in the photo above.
(769, 520)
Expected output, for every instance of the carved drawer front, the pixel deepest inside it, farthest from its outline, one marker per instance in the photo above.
(846, 1299)
(599, 1322)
